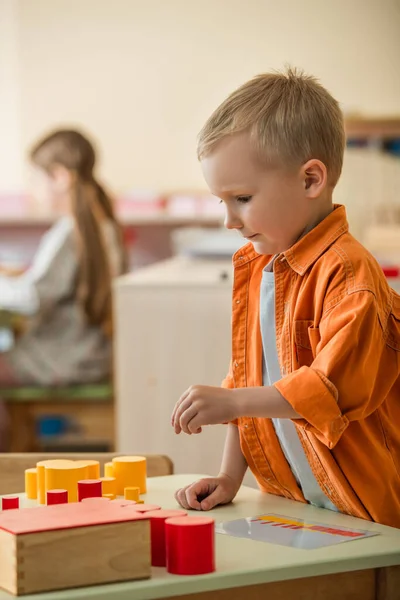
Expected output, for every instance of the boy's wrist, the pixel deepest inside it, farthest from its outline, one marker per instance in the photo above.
(248, 403)
(263, 402)
(233, 480)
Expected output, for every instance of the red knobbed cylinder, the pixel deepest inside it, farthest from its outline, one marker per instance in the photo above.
(190, 545)
(96, 501)
(56, 497)
(8, 502)
(89, 488)
(157, 526)
(143, 508)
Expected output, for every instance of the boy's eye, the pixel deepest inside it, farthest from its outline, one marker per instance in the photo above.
(243, 199)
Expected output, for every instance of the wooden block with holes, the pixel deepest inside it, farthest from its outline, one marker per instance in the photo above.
(71, 545)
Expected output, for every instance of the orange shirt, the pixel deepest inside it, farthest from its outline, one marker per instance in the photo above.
(338, 342)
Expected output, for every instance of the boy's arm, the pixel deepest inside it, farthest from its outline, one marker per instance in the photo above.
(355, 367)
(212, 491)
(233, 463)
(265, 402)
(206, 405)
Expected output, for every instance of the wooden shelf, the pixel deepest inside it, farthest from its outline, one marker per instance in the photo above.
(149, 220)
(363, 127)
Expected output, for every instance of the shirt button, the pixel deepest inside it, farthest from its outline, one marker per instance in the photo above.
(236, 363)
(237, 301)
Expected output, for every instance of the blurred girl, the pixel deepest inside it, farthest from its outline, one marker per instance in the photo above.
(67, 291)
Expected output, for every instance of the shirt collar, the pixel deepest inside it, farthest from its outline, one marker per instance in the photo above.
(309, 248)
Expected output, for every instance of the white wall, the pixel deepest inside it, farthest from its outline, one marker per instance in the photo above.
(11, 149)
(143, 75)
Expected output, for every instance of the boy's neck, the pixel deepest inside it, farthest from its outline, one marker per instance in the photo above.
(323, 210)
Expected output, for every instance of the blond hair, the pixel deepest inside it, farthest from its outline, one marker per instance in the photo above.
(290, 116)
(90, 207)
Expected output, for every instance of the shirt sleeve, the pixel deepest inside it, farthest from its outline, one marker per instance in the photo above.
(350, 375)
(49, 278)
(228, 381)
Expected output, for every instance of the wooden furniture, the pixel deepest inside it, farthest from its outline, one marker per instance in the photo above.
(365, 569)
(155, 219)
(72, 545)
(12, 466)
(359, 127)
(87, 409)
(172, 330)
(148, 235)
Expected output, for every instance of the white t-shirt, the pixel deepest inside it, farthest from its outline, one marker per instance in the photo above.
(285, 428)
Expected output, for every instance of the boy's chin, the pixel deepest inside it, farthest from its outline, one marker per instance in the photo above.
(265, 247)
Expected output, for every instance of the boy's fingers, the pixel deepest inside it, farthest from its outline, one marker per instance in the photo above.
(194, 424)
(186, 418)
(181, 399)
(199, 490)
(191, 497)
(215, 498)
(180, 497)
(185, 404)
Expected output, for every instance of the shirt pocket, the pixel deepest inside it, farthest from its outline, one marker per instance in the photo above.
(306, 340)
(393, 329)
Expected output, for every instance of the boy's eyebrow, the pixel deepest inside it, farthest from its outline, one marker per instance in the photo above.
(234, 189)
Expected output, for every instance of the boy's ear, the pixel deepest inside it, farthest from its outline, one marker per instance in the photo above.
(315, 177)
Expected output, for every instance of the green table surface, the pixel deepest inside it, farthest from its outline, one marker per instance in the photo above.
(242, 562)
(6, 318)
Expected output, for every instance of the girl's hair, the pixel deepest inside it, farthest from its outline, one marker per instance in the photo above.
(91, 206)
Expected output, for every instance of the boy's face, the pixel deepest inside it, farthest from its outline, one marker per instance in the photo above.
(269, 206)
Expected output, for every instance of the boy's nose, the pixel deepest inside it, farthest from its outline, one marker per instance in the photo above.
(231, 221)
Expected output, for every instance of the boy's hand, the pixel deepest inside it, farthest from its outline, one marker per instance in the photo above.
(204, 405)
(207, 493)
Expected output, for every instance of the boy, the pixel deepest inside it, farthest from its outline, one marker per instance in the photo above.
(313, 392)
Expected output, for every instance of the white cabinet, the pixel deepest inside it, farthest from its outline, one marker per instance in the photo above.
(172, 331)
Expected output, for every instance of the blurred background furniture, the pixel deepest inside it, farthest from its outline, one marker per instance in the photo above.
(79, 418)
(172, 330)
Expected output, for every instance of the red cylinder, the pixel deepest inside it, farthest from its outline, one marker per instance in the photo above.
(157, 525)
(89, 488)
(8, 502)
(56, 497)
(190, 545)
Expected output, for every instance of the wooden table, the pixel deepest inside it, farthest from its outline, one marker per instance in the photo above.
(366, 569)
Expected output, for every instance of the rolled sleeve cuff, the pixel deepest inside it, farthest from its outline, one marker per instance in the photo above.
(314, 397)
(228, 383)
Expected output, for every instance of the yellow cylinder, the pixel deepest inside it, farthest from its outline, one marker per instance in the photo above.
(93, 468)
(108, 485)
(132, 493)
(41, 487)
(109, 496)
(31, 488)
(130, 471)
(65, 477)
(109, 469)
